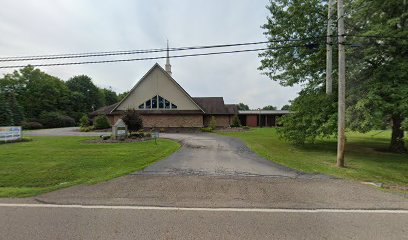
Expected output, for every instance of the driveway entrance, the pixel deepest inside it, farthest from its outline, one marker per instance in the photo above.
(215, 155)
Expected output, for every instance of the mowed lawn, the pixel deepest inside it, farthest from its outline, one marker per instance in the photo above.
(364, 161)
(49, 163)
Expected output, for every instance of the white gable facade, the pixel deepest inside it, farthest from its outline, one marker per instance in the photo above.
(157, 90)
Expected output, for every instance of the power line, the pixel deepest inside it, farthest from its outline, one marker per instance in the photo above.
(377, 36)
(152, 58)
(129, 52)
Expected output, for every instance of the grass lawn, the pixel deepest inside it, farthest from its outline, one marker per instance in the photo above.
(49, 163)
(364, 162)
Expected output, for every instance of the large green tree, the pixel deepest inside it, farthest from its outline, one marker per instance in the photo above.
(376, 70)
(378, 89)
(110, 96)
(33, 91)
(89, 97)
(6, 118)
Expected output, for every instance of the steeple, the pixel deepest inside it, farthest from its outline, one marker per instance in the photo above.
(168, 66)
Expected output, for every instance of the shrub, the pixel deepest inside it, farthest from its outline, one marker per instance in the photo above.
(148, 135)
(55, 120)
(31, 125)
(235, 121)
(133, 120)
(207, 129)
(245, 128)
(137, 135)
(86, 129)
(101, 122)
(84, 121)
(213, 123)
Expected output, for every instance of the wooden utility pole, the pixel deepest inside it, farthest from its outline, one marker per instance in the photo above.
(341, 138)
(329, 47)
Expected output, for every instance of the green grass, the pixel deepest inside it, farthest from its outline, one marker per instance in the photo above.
(49, 163)
(364, 162)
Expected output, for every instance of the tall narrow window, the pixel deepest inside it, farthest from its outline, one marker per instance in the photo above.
(161, 102)
(148, 104)
(154, 102)
(166, 104)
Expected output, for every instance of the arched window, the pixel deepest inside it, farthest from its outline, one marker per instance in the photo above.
(157, 102)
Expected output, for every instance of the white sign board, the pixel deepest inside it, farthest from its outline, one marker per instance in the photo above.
(10, 133)
(121, 131)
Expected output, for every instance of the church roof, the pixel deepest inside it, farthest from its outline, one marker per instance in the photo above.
(206, 105)
(215, 105)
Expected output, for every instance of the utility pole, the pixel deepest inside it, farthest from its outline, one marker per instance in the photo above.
(341, 138)
(329, 47)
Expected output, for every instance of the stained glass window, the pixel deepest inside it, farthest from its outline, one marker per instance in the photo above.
(158, 102)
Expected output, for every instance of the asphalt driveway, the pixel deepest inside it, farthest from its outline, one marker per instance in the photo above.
(207, 154)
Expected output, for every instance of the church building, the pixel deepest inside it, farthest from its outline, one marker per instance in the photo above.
(163, 103)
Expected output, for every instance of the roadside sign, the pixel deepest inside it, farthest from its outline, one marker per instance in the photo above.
(10, 133)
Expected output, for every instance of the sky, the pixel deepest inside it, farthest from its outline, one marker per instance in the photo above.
(32, 27)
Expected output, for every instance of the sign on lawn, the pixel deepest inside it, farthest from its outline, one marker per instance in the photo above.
(119, 130)
(10, 133)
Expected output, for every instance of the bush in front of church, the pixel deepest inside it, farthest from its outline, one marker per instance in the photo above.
(235, 121)
(101, 122)
(213, 123)
(133, 120)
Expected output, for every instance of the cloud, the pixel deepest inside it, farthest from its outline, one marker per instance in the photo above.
(30, 27)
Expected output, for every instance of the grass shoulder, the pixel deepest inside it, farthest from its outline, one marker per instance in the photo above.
(364, 161)
(49, 163)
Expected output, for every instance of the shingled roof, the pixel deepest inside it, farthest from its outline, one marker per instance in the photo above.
(215, 105)
(210, 105)
(103, 110)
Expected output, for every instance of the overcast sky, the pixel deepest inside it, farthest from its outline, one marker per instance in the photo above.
(32, 27)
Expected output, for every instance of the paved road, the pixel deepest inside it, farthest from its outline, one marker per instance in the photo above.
(264, 201)
(101, 222)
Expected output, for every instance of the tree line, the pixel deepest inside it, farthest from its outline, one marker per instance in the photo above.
(377, 67)
(244, 107)
(34, 98)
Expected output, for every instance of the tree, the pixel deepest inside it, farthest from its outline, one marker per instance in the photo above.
(377, 71)
(285, 107)
(17, 111)
(243, 107)
(110, 97)
(33, 91)
(269, 107)
(133, 120)
(90, 98)
(84, 121)
(235, 121)
(6, 118)
(314, 115)
(122, 95)
(288, 62)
